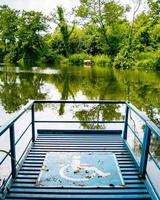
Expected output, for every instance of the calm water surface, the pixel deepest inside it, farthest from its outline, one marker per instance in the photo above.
(18, 86)
(142, 88)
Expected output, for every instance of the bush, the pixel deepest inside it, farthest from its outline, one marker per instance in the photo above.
(52, 58)
(145, 63)
(78, 59)
(11, 57)
(149, 60)
(102, 60)
(124, 59)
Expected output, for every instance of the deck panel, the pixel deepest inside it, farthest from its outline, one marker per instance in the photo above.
(24, 185)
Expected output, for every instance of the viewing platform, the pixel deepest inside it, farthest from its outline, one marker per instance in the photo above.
(97, 163)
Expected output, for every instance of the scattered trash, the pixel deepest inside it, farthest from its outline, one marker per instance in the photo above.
(112, 185)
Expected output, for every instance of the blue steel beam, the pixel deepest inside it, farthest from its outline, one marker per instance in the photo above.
(126, 123)
(145, 151)
(13, 151)
(33, 123)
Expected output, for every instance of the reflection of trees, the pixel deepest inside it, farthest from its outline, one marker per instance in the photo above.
(137, 148)
(66, 91)
(96, 113)
(16, 90)
(155, 148)
(141, 88)
(66, 84)
(110, 87)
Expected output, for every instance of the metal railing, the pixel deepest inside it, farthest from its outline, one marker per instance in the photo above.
(150, 128)
(10, 127)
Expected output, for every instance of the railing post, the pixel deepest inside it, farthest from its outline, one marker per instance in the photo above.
(33, 125)
(13, 151)
(145, 151)
(126, 123)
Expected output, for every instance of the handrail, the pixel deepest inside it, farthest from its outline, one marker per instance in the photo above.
(148, 121)
(150, 129)
(137, 111)
(10, 126)
(153, 128)
(16, 117)
(83, 101)
(82, 121)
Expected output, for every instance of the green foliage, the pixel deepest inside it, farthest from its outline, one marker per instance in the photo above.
(149, 60)
(30, 42)
(55, 42)
(102, 60)
(8, 25)
(114, 12)
(77, 41)
(124, 58)
(103, 15)
(78, 59)
(10, 57)
(102, 34)
(92, 42)
(64, 28)
(8, 28)
(52, 58)
(1, 53)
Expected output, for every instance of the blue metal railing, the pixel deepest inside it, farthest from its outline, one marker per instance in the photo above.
(150, 128)
(31, 106)
(10, 126)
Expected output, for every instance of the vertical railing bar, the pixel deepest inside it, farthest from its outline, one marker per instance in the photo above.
(33, 124)
(126, 123)
(13, 151)
(145, 151)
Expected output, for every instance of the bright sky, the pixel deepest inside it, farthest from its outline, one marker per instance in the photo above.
(46, 6)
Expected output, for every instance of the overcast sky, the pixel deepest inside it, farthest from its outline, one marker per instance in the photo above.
(46, 6)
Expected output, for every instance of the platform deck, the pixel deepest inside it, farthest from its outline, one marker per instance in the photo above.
(24, 186)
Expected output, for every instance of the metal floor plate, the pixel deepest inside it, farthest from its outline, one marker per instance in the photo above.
(80, 169)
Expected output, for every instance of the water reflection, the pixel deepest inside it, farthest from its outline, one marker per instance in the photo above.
(17, 88)
(140, 87)
(101, 112)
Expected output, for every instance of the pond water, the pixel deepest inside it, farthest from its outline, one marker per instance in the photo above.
(140, 87)
(18, 86)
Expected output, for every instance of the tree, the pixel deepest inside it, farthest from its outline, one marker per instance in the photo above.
(125, 58)
(29, 35)
(101, 13)
(8, 28)
(154, 10)
(65, 29)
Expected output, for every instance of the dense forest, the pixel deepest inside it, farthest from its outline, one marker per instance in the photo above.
(95, 30)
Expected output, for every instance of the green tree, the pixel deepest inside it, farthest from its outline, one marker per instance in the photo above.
(154, 10)
(29, 34)
(8, 28)
(103, 14)
(92, 40)
(64, 28)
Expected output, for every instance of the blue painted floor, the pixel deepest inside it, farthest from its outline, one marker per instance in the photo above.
(29, 182)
